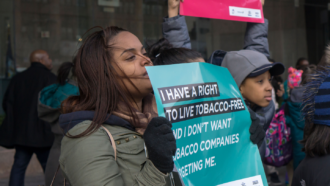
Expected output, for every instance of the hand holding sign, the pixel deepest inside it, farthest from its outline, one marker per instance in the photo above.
(173, 7)
(238, 10)
(160, 144)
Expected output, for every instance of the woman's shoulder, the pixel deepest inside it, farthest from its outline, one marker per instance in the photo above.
(98, 142)
(99, 135)
(84, 125)
(85, 147)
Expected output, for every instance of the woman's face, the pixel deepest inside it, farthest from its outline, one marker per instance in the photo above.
(130, 56)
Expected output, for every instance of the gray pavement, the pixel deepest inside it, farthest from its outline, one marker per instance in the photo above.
(31, 180)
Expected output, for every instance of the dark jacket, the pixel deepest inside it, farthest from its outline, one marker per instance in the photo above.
(90, 160)
(22, 125)
(313, 172)
(296, 123)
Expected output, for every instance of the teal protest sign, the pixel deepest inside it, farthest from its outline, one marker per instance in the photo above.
(210, 123)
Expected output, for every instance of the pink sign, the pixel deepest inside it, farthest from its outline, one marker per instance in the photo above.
(235, 10)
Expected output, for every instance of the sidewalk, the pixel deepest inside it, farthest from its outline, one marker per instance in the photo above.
(36, 180)
(34, 175)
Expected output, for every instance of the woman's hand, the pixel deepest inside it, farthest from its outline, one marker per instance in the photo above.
(257, 132)
(173, 7)
(160, 143)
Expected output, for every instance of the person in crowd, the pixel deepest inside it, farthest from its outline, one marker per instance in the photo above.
(300, 64)
(22, 129)
(313, 170)
(176, 32)
(293, 112)
(115, 97)
(252, 73)
(50, 100)
(294, 77)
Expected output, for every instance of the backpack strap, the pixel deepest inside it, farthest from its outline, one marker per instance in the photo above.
(58, 168)
(112, 141)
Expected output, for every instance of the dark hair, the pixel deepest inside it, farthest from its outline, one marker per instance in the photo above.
(100, 85)
(316, 140)
(275, 83)
(63, 72)
(298, 62)
(163, 53)
(307, 72)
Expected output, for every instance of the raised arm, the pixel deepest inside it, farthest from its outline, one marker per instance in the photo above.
(175, 29)
(256, 37)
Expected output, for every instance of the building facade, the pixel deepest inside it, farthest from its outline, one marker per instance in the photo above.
(297, 28)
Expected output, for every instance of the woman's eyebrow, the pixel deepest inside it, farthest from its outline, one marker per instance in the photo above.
(128, 50)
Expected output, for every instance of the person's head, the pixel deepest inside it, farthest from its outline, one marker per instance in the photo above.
(109, 68)
(294, 77)
(301, 63)
(316, 141)
(252, 73)
(307, 72)
(41, 56)
(64, 72)
(163, 53)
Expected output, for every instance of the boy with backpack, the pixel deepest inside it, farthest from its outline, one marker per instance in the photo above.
(252, 73)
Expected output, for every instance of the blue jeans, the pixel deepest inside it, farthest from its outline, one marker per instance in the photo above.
(21, 161)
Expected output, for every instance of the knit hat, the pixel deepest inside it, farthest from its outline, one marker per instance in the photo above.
(316, 105)
(248, 63)
(294, 78)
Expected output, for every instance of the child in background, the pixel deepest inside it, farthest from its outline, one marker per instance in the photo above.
(252, 73)
(301, 64)
(294, 78)
(314, 169)
(293, 116)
